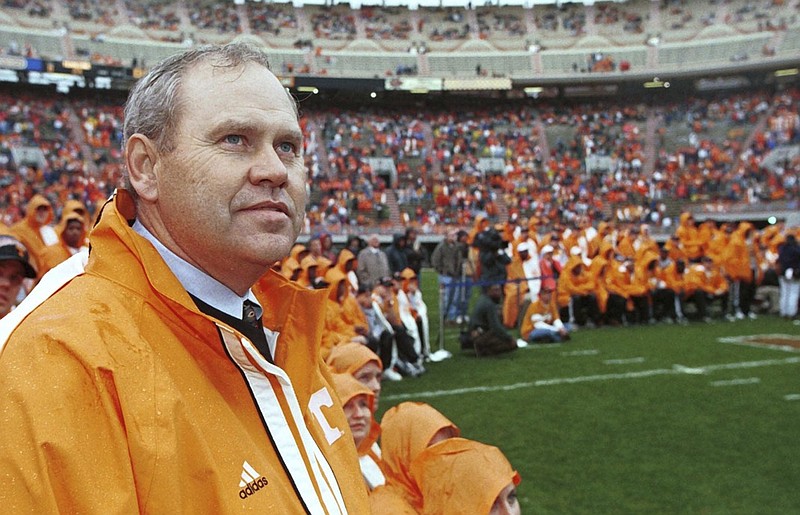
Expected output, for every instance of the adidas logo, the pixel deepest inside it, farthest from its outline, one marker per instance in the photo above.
(251, 481)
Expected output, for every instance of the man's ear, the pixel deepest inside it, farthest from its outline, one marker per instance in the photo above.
(141, 157)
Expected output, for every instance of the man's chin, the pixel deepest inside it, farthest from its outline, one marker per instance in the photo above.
(276, 246)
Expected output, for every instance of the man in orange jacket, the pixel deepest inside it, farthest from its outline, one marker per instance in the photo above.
(174, 371)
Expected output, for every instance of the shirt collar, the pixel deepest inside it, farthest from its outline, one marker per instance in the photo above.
(199, 283)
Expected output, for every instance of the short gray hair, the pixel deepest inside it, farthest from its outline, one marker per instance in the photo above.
(154, 105)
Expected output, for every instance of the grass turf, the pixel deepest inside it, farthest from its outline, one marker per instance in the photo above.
(653, 419)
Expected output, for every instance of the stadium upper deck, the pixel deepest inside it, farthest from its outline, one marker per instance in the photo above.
(490, 41)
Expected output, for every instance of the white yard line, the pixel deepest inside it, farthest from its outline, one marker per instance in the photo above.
(587, 352)
(675, 370)
(623, 361)
(736, 382)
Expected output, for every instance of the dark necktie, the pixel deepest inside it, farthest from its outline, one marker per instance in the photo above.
(249, 314)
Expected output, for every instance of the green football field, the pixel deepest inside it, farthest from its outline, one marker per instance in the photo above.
(703, 418)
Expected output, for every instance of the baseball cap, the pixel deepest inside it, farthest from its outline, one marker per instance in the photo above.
(11, 249)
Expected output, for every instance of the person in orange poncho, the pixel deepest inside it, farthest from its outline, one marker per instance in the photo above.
(75, 206)
(337, 329)
(668, 289)
(644, 241)
(365, 367)
(406, 430)
(290, 265)
(347, 262)
(717, 242)
(358, 403)
(576, 294)
(516, 289)
(34, 231)
(541, 322)
(689, 237)
(309, 276)
(626, 296)
(72, 235)
(351, 312)
(704, 284)
(739, 260)
(360, 362)
(459, 476)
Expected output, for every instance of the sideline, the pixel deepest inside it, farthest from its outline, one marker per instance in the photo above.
(675, 370)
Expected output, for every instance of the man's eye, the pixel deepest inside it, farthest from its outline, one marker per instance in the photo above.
(234, 139)
(287, 147)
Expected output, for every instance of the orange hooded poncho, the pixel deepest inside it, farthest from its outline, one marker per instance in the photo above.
(407, 430)
(459, 476)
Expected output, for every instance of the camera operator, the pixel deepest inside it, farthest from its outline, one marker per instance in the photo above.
(492, 255)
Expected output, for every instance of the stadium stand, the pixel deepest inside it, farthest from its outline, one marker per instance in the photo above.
(504, 41)
(414, 165)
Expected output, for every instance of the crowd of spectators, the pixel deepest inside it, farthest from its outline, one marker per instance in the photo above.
(219, 17)
(102, 11)
(558, 162)
(566, 20)
(385, 22)
(333, 23)
(153, 15)
(271, 18)
(706, 163)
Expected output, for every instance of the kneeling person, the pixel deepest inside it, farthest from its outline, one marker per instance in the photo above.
(541, 322)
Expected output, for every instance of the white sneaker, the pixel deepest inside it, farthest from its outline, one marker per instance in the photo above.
(459, 320)
(391, 374)
(752, 316)
(739, 315)
(730, 318)
(521, 343)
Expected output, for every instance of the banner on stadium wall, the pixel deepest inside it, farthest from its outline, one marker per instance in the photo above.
(13, 62)
(598, 164)
(485, 84)
(413, 84)
(491, 165)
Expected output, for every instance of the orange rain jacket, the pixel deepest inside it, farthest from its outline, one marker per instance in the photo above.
(347, 388)
(460, 476)
(349, 358)
(406, 430)
(54, 254)
(572, 283)
(120, 396)
(28, 230)
(738, 258)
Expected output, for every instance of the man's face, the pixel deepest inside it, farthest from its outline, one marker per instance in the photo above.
(11, 275)
(73, 233)
(231, 195)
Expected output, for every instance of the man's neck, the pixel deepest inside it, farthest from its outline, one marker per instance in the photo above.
(197, 282)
